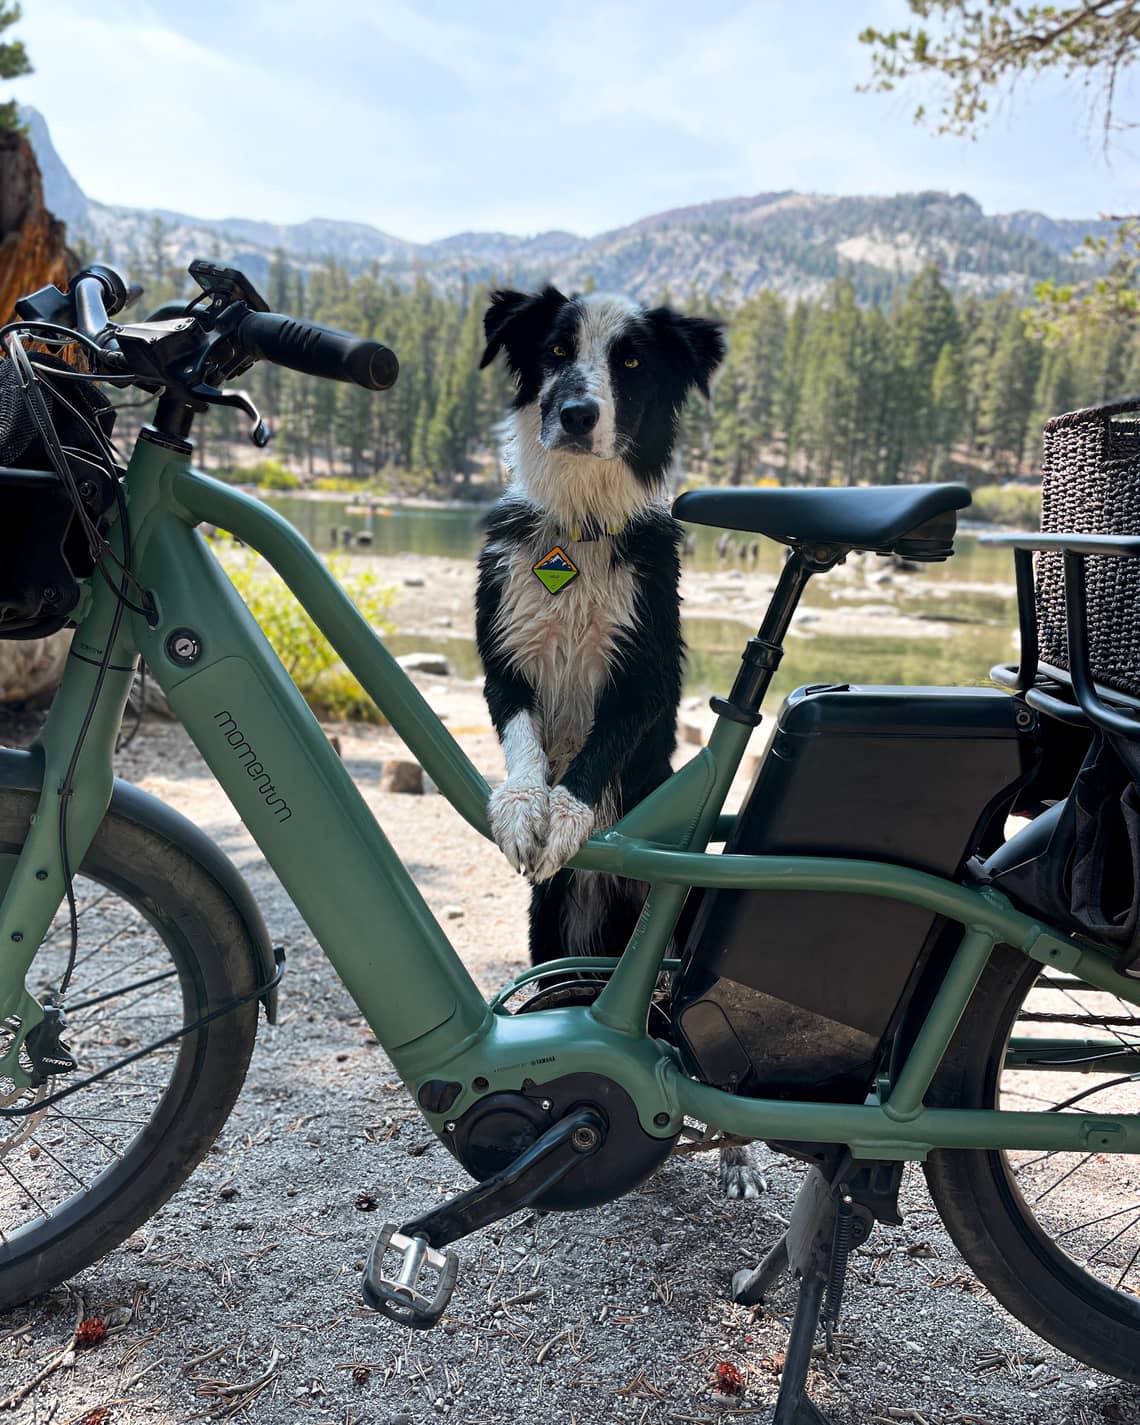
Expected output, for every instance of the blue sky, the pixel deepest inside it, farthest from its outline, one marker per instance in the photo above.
(427, 119)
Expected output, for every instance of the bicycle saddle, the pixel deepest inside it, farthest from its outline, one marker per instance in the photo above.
(915, 520)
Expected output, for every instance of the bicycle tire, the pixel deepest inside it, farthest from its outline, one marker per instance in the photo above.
(196, 928)
(979, 1196)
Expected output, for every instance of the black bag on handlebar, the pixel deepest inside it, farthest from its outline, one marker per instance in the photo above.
(43, 550)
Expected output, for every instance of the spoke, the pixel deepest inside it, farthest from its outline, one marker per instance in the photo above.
(1028, 1097)
(45, 1149)
(122, 990)
(115, 935)
(106, 1118)
(1128, 1268)
(1064, 1177)
(59, 1113)
(1096, 1221)
(147, 954)
(1041, 1158)
(139, 999)
(1129, 1009)
(80, 912)
(1096, 1088)
(30, 1195)
(1104, 1246)
(1111, 1029)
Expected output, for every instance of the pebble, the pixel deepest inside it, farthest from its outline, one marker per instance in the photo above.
(414, 581)
(453, 912)
(400, 775)
(425, 662)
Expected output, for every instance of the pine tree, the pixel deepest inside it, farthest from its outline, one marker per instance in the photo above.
(790, 388)
(13, 62)
(948, 403)
(1011, 377)
(927, 321)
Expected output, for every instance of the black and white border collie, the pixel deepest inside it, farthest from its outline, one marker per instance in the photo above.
(577, 608)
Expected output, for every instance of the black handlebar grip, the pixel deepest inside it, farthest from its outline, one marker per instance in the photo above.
(318, 351)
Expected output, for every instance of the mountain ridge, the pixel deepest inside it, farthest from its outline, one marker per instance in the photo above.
(726, 249)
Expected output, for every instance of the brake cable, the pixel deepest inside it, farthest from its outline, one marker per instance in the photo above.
(98, 547)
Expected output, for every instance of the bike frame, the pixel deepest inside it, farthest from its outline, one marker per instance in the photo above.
(278, 769)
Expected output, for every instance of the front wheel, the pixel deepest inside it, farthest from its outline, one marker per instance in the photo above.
(160, 946)
(1055, 1236)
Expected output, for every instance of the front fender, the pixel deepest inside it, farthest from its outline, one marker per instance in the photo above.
(23, 771)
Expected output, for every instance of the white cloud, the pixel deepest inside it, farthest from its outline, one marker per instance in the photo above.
(431, 118)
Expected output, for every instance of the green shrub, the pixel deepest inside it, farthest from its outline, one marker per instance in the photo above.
(271, 475)
(338, 697)
(339, 485)
(1013, 505)
(309, 659)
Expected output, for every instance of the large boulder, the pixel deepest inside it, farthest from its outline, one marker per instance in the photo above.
(30, 669)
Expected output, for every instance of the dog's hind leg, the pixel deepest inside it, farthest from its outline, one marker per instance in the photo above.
(739, 1175)
(582, 913)
(599, 913)
(547, 902)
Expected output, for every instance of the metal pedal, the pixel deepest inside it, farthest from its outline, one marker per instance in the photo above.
(400, 1297)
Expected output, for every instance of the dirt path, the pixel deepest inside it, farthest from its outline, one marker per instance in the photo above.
(620, 1314)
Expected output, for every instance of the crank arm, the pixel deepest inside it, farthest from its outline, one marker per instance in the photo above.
(419, 1242)
(546, 1162)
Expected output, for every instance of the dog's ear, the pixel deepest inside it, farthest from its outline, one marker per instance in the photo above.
(696, 344)
(516, 320)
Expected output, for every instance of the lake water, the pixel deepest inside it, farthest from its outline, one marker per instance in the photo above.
(982, 617)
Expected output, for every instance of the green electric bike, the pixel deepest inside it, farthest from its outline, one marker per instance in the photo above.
(858, 976)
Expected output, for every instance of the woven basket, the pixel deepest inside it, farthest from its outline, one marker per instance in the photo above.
(1091, 485)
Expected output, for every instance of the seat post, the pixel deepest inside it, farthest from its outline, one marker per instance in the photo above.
(761, 658)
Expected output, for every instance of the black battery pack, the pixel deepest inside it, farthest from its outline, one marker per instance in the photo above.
(795, 994)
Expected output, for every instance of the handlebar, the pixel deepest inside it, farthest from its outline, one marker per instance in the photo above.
(317, 351)
(98, 293)
(186, 352)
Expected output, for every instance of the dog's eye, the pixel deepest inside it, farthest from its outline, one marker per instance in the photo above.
(557, 350)
(632, 362)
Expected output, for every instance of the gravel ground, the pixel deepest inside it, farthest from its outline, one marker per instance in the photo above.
(241, 1296)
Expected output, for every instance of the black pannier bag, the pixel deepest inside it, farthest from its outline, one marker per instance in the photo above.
(798, 994)
(1078, 865)
(43, 549)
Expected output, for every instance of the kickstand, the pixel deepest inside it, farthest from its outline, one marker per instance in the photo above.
(827, 1221)
(794, 1406)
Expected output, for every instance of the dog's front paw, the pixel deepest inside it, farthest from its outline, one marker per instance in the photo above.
(519, 815)
(571, 822)
(739, 1176)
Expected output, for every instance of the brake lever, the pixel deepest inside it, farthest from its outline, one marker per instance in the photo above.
(260, 433)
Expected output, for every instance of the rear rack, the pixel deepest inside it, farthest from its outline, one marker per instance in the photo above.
(1048, 689)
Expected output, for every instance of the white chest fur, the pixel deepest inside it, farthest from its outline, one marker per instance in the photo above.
(565, 644)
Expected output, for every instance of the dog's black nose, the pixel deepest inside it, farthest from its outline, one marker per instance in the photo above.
(579, 417)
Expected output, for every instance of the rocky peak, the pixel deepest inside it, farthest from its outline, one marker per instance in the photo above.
(33, 245)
